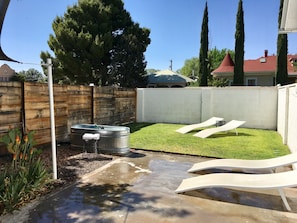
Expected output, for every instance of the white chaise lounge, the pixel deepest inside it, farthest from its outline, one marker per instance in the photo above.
(277, 181)
(234, 124)
(246, 165)
(210, 122)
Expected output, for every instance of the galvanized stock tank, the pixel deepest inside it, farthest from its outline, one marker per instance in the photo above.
(113, 139)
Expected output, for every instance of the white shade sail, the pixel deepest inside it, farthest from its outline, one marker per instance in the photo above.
(3, 7)
(289, 17)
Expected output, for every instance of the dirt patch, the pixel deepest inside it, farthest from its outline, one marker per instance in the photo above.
(71, 165)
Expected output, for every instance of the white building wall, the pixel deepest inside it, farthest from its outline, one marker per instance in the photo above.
(292, 119)
(168, 105)
(287, 116)
(255, 105)
(282, 113)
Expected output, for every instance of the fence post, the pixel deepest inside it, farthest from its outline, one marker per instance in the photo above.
(92, 103)
(23, 111)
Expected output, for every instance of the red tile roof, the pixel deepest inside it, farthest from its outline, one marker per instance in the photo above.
(261, 65)
(227, 65)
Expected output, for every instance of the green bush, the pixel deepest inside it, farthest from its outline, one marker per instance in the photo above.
(12, 191)
(27, 173)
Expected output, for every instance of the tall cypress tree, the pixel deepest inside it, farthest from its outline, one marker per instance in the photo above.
(282, 51)
(238, 78)
(203, 55)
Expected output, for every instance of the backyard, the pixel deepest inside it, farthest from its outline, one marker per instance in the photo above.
(162, 137)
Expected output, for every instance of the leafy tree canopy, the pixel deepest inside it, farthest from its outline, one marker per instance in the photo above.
(191, 67)
(96, 41)
(151, 70)
(215, 58)
(31, 75)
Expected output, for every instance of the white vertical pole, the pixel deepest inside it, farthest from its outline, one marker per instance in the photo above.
(52, 116)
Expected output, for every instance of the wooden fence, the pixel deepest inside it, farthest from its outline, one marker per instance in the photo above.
(26, 106)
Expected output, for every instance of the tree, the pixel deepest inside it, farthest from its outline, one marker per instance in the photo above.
(203, 55)
(238, 78)
(282, 51)
(215, 58)
(31, 75)
(151, 71)
(128, 64)
(59, 75)
(97, 42)
(191, 67)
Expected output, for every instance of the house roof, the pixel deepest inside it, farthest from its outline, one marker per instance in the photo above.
(265, 64)
(169, 73)
(168, 76)
(227, 65)
(6, 71)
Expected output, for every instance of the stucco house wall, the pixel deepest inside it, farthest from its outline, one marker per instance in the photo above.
(171, 105)
(6, 73)
(261, 79)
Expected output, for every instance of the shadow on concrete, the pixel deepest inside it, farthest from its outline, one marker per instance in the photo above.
(240, 197)
(111, 197)
(133, 154)
(89, 202)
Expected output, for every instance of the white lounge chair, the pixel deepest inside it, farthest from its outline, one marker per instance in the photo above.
(247, 165)
(243, 181)
(234, 124)
(207, 123)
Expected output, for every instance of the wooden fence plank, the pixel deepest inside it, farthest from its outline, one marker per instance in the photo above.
(72, 104)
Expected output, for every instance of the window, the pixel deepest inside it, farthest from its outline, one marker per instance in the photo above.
(251, 81)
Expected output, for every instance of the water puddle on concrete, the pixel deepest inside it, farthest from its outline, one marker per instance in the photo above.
(128, 184)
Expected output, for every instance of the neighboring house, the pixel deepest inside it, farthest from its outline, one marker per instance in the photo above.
(168, 79)
(6, 73)
(259, 72)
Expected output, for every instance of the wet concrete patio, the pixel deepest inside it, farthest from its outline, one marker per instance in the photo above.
(141, 188)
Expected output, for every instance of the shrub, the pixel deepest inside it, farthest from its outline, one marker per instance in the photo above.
(26, 174)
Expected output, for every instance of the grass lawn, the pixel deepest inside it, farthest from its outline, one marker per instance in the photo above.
(248, 144)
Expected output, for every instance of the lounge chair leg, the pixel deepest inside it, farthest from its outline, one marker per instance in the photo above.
(285, 201)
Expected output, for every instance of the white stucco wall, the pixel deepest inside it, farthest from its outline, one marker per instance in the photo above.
(171, 105)
(256, 105)
(292, 119)
(287, 115)
(282, 113)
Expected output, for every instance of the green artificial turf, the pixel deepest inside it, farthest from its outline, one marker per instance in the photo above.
(248, 144)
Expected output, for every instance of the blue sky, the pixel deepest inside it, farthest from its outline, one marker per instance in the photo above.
(175, 28)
